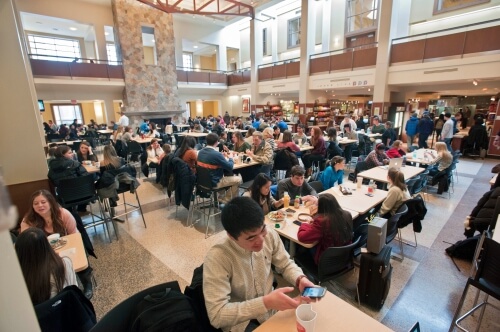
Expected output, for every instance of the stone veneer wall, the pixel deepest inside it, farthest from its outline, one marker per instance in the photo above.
(148, 88)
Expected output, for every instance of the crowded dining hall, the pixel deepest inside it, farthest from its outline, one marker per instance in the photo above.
(250, 166)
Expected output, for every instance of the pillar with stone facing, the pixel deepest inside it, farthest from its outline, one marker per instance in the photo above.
(150, 89)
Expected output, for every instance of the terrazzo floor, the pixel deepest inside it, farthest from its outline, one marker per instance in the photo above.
(425, 287)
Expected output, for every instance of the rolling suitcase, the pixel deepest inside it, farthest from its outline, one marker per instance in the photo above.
(375, 277)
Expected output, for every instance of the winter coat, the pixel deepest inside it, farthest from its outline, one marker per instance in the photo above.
(425, 126)
(416, 213)
(64, 168)
(478, 138)
(185, 182)
(412, 126)
(484, 212)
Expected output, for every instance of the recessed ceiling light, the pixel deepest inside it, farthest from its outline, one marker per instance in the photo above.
(73, 28)
(106, 33)
(195, 46)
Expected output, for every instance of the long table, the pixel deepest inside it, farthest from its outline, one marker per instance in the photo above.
(358, 201)
(420, 157)
(289, 230)
(79, 257)
(333, 314)
(379, 173)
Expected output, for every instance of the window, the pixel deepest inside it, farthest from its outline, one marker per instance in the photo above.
(66, 113)
(148, 45)
(111, 51)
(361, 15)
(293, 32)
(187, 61)
(264, 41)
(52, 48)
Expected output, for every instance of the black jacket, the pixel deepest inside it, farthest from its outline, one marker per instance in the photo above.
(416, 213)
(478, 138)
(484, 213)
(184, 184)
(64, 168)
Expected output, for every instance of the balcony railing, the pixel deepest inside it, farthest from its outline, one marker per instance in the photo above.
(201, 76)
(344, 59)
(279, 70)
(74, 68)
(240, 76)
(452, 42)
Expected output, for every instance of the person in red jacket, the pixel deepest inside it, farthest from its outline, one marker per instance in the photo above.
(395, 151)
(331, 227)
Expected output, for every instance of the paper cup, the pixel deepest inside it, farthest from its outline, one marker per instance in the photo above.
(53, 238)
(359, 182)
(97, 164)
(306, 318)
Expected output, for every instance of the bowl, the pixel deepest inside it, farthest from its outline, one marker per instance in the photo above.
(53, 238)
(87, 162)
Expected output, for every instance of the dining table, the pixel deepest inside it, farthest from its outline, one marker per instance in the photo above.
(288, 229)
(333, 314)
(359, 200)
(75, 250)
(379, 173)
(91, 168)
(422, 156)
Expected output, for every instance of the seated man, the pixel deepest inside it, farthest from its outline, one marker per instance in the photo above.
(300, 135)
(237, 273)
(209, 157)
(377, 157)
(261, 152)
(296, 186)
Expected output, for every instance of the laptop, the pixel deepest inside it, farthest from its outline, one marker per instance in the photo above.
(396, 162)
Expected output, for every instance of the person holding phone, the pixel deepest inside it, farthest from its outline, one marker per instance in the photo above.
(237, 273)
(331, 227)
(260, 191)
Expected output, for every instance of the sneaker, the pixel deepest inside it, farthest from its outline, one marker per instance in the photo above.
(118, 219)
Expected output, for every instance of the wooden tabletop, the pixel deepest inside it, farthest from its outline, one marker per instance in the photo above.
(145, 140)
(358, 201)
(182, 125)
(243, 165)
(333, 314)
(91, 168)
(243, 131)
(379, 173)
(78, 255)
(193, 134)
(63, 142)
(347, 141)
(105, 131)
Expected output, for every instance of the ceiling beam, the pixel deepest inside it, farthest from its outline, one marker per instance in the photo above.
(182, 7)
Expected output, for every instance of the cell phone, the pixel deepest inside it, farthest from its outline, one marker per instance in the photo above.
(290, 210)
(296, 222)
(314, 292)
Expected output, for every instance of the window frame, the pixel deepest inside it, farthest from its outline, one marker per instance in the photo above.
(57, 120)
(264, 41)
(351, 16)
(57, 53)
(290, 23)
(190, 55)
(112, 62)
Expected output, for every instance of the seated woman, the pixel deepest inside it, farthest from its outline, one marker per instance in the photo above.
(117, 135)
(63, 166)
(443, 160)
(128, 135)
(268, 135)
(110, 161)
(260, 191)
(187, 152)
(152, 131)
(331, 227)
(45, 272)
(249, 135)
(47, 215)
(318, 151)
(239, 143)
(85, 152)
(287, 142)
(154, 151)
(398, 193)
(333, 173)
(333, 148)
(395, 150)
(276, 133)
(483, 215)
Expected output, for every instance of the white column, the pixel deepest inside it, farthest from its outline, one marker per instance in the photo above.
(255, 58)
(337, 21)
(381, 92)
(274, 39)
(222, 57)
(307, 33)
(100, 38)
(326, 26)
(178, 51)
(17, 92)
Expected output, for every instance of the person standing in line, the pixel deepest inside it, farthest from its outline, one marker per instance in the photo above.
(466, 116)
(438, 125)
(411, 129)
(447, 132)
(425, 128)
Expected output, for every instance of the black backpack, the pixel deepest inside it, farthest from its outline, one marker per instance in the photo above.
(169, 310)
(464, 249)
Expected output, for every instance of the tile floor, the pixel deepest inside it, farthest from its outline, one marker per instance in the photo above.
(426, 286)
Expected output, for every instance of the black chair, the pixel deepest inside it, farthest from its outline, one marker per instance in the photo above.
(69, 310)
(134, 151)
(361, 233)
(487, 280)
(414, 216)
(421, 184)
(317, 186)
(415, 327)
(81, 190)
(410, 183)
(392, 229)
(178, 140)
(206, 191)
(118, 318)
(360, 167)
(54, 138)
(334, 262)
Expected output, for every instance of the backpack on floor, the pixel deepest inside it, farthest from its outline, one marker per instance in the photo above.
(169, 310)
(464, 249)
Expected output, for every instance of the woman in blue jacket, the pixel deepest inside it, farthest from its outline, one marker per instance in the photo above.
(333, 173)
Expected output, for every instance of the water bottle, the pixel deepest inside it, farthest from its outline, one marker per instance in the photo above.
(414, 154)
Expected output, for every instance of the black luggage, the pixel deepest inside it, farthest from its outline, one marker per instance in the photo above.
(375, 277)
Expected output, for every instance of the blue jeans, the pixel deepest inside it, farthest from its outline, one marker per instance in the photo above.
(448, 143)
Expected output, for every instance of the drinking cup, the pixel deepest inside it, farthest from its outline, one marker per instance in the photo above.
(306, 318)
(359, 182)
